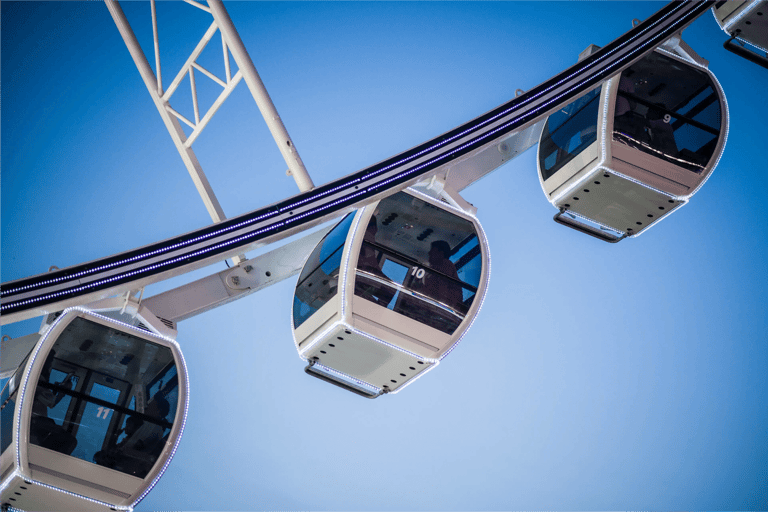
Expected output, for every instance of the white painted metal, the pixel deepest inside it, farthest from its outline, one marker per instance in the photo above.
(157, 50)
(260, 95)
(474, 165)
(465, 171)
(13, 352)
(373, 346)
(161, 102)
(223, 287)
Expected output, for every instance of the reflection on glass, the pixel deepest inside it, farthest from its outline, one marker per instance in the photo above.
(318, 282)
(669, 110)
(568, 132)
(93, 382)
(407, 264)
(8, 403)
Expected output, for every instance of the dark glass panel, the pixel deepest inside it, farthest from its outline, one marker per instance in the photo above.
(669, 110)
(568, 132)
(419, 260)
(8, 403)
(319, 279)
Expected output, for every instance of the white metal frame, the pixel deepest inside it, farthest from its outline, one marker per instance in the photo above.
(231, 42)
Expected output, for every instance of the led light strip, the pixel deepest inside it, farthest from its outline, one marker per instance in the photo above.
(359, 382)
(485, 249)
(25, 380)
(601, 165)
(679, 14)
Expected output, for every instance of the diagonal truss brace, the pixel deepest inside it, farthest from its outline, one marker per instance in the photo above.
(172, 118)
(171, 122)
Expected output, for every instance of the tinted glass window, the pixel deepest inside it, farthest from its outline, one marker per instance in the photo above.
(105, 396)
(568, 132)
(319, 279)
(669, 110)
(419, 260)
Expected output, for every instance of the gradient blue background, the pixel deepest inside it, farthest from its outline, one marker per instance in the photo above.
(629, 376)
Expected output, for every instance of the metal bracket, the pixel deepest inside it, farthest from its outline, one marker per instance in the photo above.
(134, 303)
(439, 188)
(676, 45)
(227, 285)
(578, 226)
(243, 277)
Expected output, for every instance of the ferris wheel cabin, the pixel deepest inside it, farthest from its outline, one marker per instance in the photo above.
(630, 152)
(389, 292)
(92, 416)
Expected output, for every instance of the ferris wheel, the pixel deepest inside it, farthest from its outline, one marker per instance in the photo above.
(626, 136)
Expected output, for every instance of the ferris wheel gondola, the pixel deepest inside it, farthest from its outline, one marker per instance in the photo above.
(389, 292)
(630, 152)
(92, 417)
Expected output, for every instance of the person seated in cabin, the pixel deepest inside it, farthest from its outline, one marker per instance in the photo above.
(446, 291)
(136, 453)
(661, 132)
(368, 262)
(43, 430)
(441, 288)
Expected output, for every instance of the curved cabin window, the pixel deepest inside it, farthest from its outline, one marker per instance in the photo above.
(669, 110)
(419, 260)
(319, 280)
(8, 404)
(568, 132)
(105, 396)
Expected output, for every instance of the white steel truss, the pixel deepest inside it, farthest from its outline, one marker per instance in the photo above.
(231, 42)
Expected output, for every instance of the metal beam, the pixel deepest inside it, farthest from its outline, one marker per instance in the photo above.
(231, 284)
(261, 96)
(171, 123)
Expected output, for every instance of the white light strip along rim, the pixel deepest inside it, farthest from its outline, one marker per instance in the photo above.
(727, 122)
(387, 344)
(318, 339)
(432, 362)
(347, 257)
(604, 97)
(745, 11)
(532, 98)
(359, 382)
(23, 389)
(484, 246)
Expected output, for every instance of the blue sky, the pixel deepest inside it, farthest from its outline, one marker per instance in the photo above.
(597, 376)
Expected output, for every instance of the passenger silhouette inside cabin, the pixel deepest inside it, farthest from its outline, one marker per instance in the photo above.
(446, 291)
(368, 262)
(44, 431)
(144, 439)
(437, 301)
(639, 123)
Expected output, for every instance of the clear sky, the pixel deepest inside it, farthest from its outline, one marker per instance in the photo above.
(597, 376)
